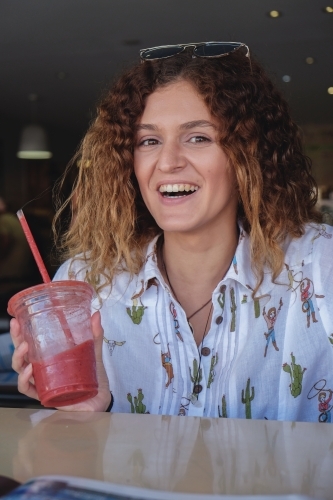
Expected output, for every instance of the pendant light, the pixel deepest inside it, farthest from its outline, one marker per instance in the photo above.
(33, 142)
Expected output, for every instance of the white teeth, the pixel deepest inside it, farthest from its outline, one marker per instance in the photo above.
(175, 188)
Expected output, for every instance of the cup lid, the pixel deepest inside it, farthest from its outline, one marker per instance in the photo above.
(37, 289)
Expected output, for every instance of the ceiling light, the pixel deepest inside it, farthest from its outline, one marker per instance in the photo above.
(33, 143)
(330, 90)
(286, 78)
(328, 9)
(274, 13)
(309, 60)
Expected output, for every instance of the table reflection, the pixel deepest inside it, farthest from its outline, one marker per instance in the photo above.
(186, 454)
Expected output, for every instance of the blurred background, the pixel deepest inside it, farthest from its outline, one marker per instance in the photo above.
(58, 56)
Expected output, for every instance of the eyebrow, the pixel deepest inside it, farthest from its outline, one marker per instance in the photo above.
(197, 123)
(183, 126)
(146, 126)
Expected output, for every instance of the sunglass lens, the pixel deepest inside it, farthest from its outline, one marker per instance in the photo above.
(161, 52)
(215, 49)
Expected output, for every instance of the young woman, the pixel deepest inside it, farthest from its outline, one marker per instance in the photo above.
(195, 221)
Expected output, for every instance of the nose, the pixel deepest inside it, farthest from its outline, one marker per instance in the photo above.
(171, 157)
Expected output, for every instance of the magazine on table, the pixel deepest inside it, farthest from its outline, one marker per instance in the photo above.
(74, 488)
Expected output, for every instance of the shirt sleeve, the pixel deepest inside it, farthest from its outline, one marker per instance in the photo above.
(62, 272)
(71, 270)
(322, 259)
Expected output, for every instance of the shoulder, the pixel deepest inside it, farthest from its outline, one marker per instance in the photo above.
(73, 269)
(123, 283)
(315, 242)
(310, 256)
(78, 268)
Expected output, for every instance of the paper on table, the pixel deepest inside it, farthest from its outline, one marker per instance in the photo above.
(72, 488)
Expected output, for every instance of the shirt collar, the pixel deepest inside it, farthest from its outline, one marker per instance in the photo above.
(240, 269)
(150, 270)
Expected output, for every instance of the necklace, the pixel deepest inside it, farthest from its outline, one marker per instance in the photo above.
(174, 294)
(197, 388)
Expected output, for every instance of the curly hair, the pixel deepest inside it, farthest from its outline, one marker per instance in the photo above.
(111, 225)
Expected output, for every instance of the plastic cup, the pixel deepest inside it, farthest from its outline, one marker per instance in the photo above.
(55, 321)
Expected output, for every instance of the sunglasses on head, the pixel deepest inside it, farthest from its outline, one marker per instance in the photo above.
(202, 49)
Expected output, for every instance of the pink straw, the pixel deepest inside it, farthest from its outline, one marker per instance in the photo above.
(43, 272)
(33, 247)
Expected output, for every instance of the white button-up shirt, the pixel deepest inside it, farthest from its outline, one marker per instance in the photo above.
(267, 357)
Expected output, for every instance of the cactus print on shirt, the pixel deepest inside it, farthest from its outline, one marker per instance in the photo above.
(266, 357)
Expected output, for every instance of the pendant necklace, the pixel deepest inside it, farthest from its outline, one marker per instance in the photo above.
(194, 396)
(174, 294)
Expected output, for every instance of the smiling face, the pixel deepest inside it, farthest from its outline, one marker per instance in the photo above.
(182, 171)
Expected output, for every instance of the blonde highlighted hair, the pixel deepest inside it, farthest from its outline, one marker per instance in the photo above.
(111, 225)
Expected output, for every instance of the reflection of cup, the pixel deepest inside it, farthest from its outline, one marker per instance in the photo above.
(61, 443)
(55, 321)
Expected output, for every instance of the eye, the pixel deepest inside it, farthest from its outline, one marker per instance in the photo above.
(199, 139)
(148, 142)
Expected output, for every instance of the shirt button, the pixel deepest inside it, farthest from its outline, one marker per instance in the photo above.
(222, 288)
(197, 389)
(219, 320)
(205, 351)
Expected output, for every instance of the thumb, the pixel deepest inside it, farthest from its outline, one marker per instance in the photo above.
(97, 331)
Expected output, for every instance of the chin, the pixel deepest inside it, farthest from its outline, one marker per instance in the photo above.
(177, 228)
(170, 227)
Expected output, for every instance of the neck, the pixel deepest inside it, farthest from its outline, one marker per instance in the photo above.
(192, 259)
(193, 268)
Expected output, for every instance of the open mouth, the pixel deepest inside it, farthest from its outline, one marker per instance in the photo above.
(177, 190)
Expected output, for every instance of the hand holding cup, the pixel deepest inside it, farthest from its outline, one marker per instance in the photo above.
(26, 383)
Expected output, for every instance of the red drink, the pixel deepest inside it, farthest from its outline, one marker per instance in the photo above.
(67, 378)
(55, 321)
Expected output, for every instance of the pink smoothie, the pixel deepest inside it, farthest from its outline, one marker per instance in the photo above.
(68, 377)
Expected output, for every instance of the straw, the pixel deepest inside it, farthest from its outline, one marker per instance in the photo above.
(43, 272)
(33, 247)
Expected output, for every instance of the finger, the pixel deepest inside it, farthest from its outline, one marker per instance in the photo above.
(15, 332)
(96, 325)
(24, 384)
(98, 332)
(19, 357)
